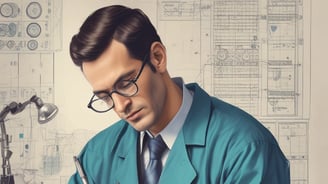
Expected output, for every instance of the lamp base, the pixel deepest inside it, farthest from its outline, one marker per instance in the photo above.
(7, 179)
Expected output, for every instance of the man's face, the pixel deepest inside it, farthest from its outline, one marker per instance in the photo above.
(142, 111)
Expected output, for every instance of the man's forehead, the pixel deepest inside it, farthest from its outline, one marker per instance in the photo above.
(112, 66)
(116, 53)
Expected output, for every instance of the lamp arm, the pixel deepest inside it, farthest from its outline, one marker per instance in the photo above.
(14, 108)
(6, 153)
(4, 113)
(4, 142)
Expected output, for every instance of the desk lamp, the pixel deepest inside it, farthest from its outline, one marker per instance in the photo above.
(46, 112)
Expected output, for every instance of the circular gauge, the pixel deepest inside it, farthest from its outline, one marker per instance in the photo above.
(33, 30)
(6, 10)
(11, 44)
(32, 44)
(34, 10)
(222, 54)
(9, 10)
(245, 56)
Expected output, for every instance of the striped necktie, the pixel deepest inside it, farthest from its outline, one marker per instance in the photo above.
(156, 149)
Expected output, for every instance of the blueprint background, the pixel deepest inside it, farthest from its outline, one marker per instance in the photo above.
(318, 127)
(75, 124)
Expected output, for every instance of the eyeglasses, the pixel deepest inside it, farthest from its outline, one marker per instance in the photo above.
(102, 101)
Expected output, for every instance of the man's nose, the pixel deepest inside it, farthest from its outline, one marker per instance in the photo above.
(121, 103)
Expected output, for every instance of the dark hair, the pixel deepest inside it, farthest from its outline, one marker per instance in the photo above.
(128, 26)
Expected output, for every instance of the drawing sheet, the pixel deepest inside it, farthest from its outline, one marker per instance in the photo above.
(254, 54)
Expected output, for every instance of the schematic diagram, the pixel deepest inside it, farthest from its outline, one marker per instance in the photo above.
(30, 33)
(29, 26)
(251, 54)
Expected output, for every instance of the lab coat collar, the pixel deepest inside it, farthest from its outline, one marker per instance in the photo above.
(178, 164)
(127, 154)
(178, 168)
(198, 117)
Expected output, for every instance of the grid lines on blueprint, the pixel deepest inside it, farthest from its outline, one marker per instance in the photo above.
(251, 54)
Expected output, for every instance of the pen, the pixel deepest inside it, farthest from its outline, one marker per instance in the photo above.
(80, 170)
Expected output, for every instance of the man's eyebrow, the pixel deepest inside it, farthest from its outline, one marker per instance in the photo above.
(120, 78)
(99, 92)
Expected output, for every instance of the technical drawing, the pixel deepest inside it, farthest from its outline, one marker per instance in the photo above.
(34, 10)
(30, 26)
(293, 139)
(251, 54)
(246, 52)
(9, 10)
(29, 34)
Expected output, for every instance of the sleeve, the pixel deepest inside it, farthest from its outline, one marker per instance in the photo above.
(75, 179)
(256, 163)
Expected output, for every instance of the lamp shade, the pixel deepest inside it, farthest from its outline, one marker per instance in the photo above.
(47, 112)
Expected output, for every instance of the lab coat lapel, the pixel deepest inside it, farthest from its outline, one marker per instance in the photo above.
(127, 171)
(179, 168)
(195, 127)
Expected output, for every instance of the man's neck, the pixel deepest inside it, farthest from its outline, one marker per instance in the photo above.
(171, 107)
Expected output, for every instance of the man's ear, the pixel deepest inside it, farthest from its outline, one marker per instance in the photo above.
(158, 56)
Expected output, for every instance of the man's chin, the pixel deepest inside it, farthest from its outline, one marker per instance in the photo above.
(138, 127)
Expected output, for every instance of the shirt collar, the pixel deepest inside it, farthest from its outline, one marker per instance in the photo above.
(170, 132)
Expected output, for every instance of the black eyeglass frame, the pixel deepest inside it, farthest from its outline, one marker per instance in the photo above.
(109, 93)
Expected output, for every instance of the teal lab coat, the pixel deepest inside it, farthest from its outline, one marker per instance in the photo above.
(219, 143)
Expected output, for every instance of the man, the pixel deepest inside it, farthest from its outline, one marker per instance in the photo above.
(202, 139)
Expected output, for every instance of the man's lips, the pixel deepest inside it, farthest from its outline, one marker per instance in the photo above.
(133, 116)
